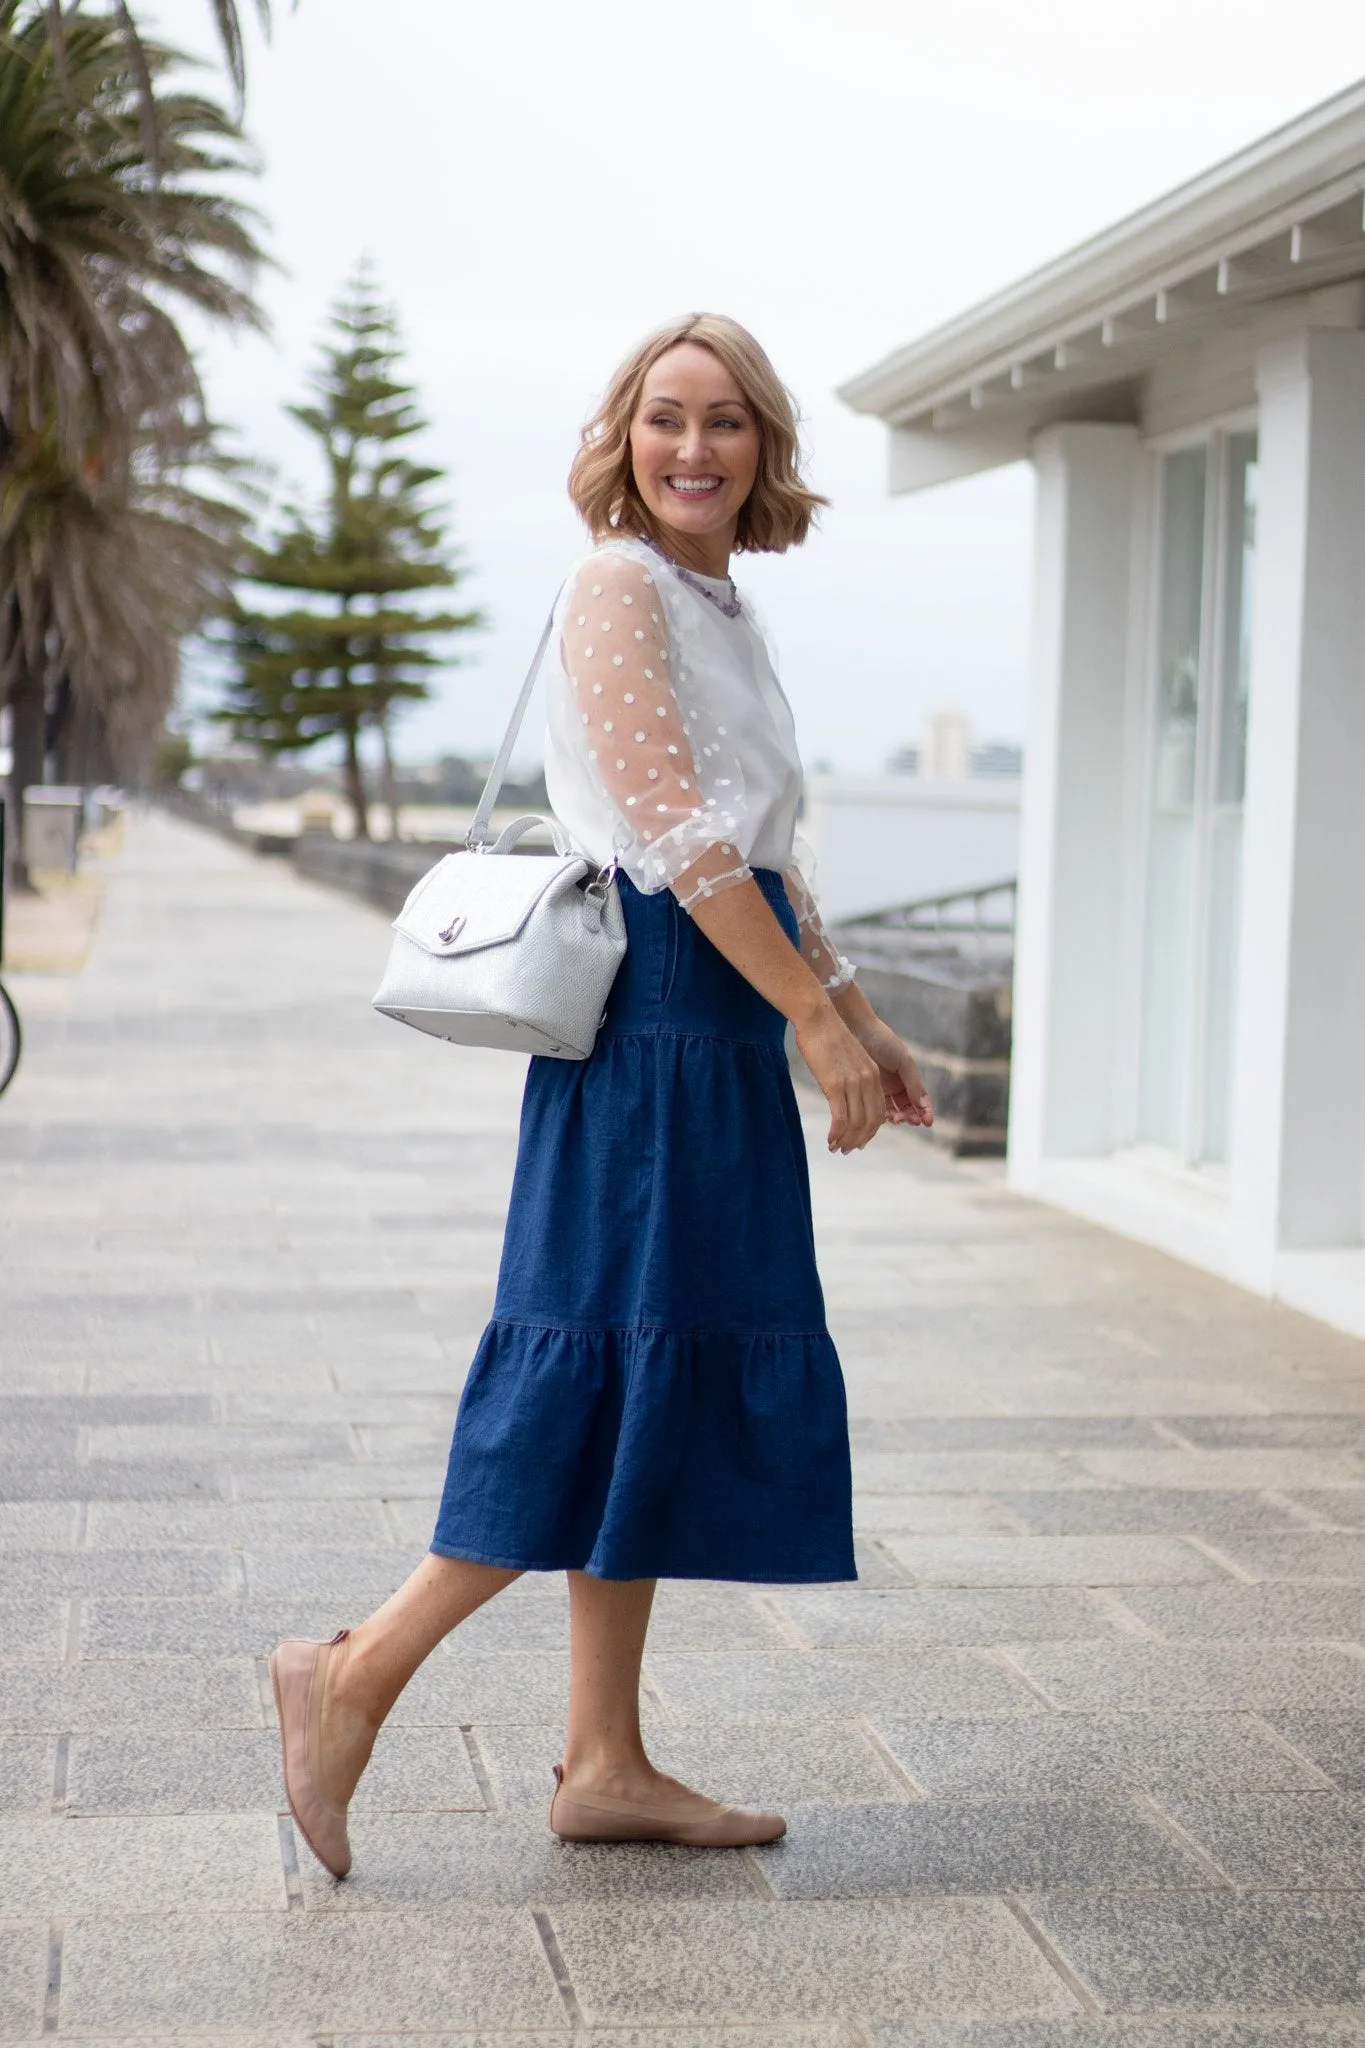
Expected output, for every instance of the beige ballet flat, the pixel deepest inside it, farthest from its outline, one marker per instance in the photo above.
(597, 1818)
(298, 1673)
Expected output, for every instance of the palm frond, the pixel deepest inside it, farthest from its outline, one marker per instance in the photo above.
(119, 523)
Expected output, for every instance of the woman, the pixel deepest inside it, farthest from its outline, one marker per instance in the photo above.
(657, 1394)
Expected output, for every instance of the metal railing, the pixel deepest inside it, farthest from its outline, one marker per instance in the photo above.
(975, 924)
(927, 913)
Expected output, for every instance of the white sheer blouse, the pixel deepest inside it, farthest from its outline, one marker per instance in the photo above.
(670, 746)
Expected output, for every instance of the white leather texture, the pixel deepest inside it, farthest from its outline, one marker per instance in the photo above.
(535, 971)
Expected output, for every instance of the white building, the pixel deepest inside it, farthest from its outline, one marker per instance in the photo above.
(1189, 1017)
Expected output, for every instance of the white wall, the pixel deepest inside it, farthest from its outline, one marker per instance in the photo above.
(1299, 1112)
(1288, 1218)
(884, 840)
(1068, 974)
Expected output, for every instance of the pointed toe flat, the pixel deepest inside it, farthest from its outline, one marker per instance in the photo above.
(594, 1817)
(298, 1673)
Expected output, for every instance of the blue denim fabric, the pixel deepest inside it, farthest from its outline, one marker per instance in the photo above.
(657, 1394)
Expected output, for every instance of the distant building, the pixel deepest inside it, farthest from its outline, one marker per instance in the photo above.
(998, 757)
(1189, 1003)
(945, 753)
(949, 753)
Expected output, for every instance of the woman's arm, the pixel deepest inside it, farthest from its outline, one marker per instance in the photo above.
(676, 796)
(865, 1073)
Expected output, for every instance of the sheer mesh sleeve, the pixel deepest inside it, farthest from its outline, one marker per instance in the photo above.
(674, 789)
(818, 950)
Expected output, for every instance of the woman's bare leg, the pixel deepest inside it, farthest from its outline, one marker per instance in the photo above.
(603, 1747)
(370, 1668)
(604, 1750)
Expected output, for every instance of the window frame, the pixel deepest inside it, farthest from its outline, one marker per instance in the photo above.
(1214, 436)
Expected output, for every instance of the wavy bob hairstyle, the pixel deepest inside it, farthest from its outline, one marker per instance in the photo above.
(778, 511)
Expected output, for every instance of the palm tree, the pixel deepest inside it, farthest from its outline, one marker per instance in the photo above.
(227, 20)
(105, 447)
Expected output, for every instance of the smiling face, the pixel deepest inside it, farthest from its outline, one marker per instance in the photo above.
(694, 447)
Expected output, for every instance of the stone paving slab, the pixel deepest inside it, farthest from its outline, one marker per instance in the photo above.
(934, 1514)
(39, 1524)
(624, 2037)
(233, 1525)
(1341, 1506)
(1196, 1677)
(838, 1852)
(1091, 1753)
(1205, 1613)
(1308, 1556)
(795, 1685)
(27, 1764)
(877, 1958)
(221, 1863)
(31, 1630)
(24, 1948)
(1288, 1841)
(466, 1966)
(143, 1694)
(1262, 2031)
(1335, 1743)
(1052, 1561)
(1148, 1510)
(1219, 1469)
(1205, 1952)
(198, 1628)
(926, 1615)
(1089, 1732)
(132, 1574)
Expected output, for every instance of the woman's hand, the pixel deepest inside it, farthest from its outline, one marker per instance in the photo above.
(864, 1070)
(904, 1093)
(847, 1075)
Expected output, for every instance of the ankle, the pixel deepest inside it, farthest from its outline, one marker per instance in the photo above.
(617, 1772)
(350, 1694)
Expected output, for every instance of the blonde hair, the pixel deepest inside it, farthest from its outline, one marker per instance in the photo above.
(778, 511)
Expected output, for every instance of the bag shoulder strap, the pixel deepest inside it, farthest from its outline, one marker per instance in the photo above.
(477, 835)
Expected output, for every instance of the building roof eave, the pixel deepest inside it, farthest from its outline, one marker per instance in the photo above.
(1286, 215)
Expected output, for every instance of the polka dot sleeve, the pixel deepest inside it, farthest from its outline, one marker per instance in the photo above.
(674, 788)
(818, 950)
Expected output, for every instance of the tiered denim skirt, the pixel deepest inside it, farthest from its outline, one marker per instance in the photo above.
(657, 1395)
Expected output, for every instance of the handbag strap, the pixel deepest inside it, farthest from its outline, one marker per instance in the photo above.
(476, 839)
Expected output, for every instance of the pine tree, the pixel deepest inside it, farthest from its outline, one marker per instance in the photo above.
(345, 661)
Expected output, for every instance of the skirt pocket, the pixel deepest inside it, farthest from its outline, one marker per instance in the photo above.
(668, 965)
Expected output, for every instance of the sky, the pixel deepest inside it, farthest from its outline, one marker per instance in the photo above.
(540, 182)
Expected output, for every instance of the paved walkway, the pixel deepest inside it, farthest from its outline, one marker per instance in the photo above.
(1087, 1741)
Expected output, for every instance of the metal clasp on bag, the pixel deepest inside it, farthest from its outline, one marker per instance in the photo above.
(452, 930)
(595, 894)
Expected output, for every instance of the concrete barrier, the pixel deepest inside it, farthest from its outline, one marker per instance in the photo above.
(379, 874)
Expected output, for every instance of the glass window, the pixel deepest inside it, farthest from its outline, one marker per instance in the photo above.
(1170, 846)
(1194, 846)
(1225, 822)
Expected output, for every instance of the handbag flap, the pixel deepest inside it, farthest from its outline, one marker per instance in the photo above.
(470, 900)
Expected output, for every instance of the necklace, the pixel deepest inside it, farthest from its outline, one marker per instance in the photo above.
(732, 604)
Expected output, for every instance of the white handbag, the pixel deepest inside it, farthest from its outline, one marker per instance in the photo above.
(514, 950)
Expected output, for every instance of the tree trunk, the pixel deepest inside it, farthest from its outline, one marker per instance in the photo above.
(81, 751)
(390, 777)
(355, 781)
(27, 712)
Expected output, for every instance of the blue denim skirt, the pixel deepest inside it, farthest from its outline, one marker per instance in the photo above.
(657, 1395)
